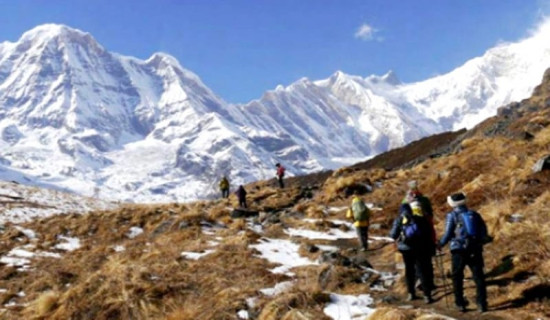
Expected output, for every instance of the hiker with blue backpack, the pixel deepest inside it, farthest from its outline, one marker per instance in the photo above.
(467, 233)
(360, 214)
(414, 241)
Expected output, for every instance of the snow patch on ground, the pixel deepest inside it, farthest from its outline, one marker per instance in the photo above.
(242, 314)
(35, 202)
(196, 255)
(70, 244)
(347, 307)
(327, 247)
(332, 234)
(21, 257)
(27, 232)
(278, 288)
(134, 232)
(283, 252)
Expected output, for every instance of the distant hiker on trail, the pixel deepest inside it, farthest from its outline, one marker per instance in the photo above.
(413, 235)
(421, 206)
(224, 187)
(280, 175)
(360, 214)
(241, 195)
(467, 233)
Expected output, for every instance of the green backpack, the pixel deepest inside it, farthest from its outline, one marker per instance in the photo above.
(360, 211)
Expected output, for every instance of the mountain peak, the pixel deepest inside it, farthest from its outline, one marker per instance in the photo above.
(164, 58)
(52, 30)
(390, 78)
(339, 76)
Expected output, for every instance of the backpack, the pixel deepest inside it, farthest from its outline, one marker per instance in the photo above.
(412, 230)
(360, 210)
(281, 171)
(224, 184)
(471, 229)
(416, 208)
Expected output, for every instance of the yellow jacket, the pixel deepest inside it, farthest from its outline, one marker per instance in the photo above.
(224, 184)
(349, 215)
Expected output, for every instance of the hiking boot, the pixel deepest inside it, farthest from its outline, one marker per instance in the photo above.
(461, 308)
(411, 297)
(428, 299)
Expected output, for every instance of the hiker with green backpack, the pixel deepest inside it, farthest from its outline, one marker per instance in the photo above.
(360, 214)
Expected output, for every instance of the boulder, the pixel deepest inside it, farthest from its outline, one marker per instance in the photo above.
(243, 213)
(360, 188)
(334, 258)
(542, 164)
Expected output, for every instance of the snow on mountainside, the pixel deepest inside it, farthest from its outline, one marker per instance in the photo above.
(78, 117)
(473, 92)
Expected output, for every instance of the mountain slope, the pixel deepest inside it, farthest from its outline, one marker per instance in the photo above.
(79, 117)
(473, 92)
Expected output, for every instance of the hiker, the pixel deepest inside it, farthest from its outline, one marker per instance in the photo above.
(241, 195)
(224, 187)
(467, 233)
(422, 206)
(280, 175)
(413, 236)
(360, 214)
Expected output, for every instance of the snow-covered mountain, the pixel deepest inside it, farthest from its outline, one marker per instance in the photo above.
(85, 119)
(79, 117)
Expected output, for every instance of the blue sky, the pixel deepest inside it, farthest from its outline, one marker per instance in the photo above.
(241, 48)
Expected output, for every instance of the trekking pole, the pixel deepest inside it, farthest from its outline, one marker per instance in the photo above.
(439, 261)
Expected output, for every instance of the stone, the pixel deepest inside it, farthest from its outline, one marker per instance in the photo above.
(163, 227)
(243, 213)
(542, 164)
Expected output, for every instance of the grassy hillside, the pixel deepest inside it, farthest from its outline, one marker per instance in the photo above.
(193, 261)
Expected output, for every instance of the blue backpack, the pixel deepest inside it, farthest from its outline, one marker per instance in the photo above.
(413, 229)
(471, 229)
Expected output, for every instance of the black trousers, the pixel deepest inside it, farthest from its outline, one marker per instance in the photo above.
(281, 182)
(225, 193)
(474, 260)
(242, 202)
(422, 260)
(363, 235)
(430, 272)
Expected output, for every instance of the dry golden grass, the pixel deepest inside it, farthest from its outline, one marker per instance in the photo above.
(151, 279)
(391, 314)
(542, 138)
(45, 303)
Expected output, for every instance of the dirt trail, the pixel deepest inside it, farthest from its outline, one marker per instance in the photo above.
(378, 257)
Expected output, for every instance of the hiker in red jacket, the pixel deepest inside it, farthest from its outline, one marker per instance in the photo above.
(280, 174)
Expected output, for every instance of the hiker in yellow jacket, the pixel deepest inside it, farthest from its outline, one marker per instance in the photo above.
(224, 187)
(360, 214)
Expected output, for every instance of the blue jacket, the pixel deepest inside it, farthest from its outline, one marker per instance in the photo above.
(395, 233)
(457, 243)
